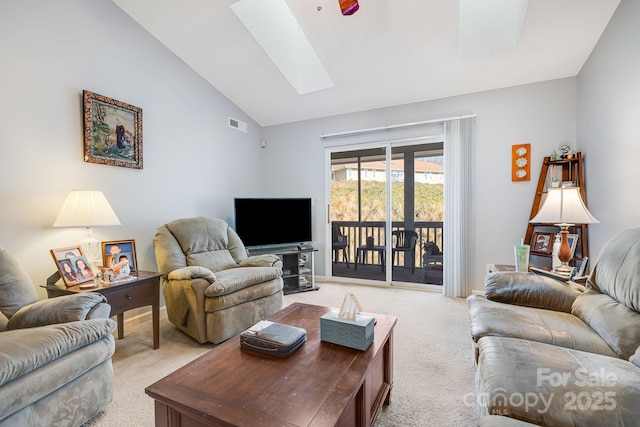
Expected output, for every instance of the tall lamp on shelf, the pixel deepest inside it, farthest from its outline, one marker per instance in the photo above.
(564, 208)
(87, 208)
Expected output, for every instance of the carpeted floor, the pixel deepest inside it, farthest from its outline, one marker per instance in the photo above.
(433, 368)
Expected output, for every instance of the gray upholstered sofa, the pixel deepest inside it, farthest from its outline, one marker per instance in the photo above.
(560, 354)
(212, 289)
(55, 355)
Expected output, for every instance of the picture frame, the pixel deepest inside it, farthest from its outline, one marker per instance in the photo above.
(573, 243)
(114, 249)
(73, 265)
(542, 243)
(112, 131)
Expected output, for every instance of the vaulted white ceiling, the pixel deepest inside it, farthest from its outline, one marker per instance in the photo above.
(390, 52)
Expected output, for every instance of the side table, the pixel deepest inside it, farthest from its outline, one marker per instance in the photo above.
(362, 251)
(143, 291)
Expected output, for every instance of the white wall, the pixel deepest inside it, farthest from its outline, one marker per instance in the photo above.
(542, 114)
(194, 164)
(607, 126)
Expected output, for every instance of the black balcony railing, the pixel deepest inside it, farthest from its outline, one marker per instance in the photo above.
(356, 234)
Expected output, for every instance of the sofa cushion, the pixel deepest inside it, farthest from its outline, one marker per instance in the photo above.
(214, 260)
(16, 289)
(555, 386)
(490, 318)
(617, 272)
(235, 279)
(25, 350)
(617, 324)
(532, 290)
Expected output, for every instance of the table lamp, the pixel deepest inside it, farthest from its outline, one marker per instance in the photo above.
(86, 208)
(564, 208)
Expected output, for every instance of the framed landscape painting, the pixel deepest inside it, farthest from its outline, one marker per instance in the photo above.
(112, 131)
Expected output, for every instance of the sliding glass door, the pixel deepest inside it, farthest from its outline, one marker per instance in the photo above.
(386, 213)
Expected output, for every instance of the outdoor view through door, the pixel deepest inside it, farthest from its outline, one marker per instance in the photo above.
(361, 246)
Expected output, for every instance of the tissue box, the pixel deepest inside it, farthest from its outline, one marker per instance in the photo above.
(356, 334)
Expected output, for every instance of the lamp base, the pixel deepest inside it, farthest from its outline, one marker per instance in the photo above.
(90, 246)
(564, 269)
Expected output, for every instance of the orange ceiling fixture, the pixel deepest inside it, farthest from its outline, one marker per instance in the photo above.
(349, 7)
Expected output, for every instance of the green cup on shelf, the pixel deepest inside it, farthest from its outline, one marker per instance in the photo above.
(522, 257)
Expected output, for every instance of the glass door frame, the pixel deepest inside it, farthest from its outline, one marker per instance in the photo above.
(388, 145)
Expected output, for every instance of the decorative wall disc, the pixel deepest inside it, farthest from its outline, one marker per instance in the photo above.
(520, 165)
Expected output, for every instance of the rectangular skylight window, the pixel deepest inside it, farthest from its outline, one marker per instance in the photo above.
(489, 27)
(277, 31)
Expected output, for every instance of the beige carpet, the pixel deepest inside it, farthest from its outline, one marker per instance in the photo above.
(433, 369)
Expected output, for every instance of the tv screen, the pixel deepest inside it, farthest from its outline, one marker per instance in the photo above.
(267, 222)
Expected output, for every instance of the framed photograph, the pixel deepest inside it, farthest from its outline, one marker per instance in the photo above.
(112, 131)
(73, 266)
(542, 243)
(573, 243)
(116, 251)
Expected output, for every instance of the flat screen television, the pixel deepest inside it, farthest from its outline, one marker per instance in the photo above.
(273, 222)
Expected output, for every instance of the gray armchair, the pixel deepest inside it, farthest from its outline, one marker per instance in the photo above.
(55, 354)
(212, 289)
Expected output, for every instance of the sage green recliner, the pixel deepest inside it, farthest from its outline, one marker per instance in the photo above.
(212, 289)
(55, 354)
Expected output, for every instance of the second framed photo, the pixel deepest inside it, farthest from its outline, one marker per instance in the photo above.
(116, 251)
(73, 266)
(573, 243)
(542, 243)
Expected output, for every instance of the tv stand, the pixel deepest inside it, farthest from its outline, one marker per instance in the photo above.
(297, 267)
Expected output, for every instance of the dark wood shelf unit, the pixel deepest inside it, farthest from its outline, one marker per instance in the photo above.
(571, 170)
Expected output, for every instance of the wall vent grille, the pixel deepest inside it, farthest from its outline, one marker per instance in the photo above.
(238, 124)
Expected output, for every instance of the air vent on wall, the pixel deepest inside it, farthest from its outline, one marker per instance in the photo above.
(237, 124)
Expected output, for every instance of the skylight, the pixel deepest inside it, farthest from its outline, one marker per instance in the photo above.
(489, 27)
(277, 31)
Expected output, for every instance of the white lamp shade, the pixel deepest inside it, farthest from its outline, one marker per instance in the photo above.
(563, 206)
(84, 208)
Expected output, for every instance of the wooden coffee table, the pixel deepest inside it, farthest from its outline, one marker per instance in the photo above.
(321, 384)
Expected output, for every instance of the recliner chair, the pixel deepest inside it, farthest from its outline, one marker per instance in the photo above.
(55, 354)
(212, 289)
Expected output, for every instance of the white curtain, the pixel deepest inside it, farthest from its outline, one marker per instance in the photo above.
(458, 149)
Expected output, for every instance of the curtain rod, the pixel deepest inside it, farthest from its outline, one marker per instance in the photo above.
(391, 127)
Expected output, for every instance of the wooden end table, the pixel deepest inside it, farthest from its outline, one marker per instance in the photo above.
(143, 291)
(320, 385)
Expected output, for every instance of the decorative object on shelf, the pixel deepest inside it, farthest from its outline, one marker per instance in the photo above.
(555, 261)
(554, 156)
(573, 242)
(520, 162)
(565, 149)
(113, 251)
(542, 242)
(564, 208)
(87, 208)
(112, 132)
(73, 266)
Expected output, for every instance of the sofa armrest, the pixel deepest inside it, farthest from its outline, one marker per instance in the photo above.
(64, 309)
(264, 260)
(531, 290)
(192, 273)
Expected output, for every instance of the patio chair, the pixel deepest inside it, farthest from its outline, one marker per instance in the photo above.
(405, 242)
(339, 242)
